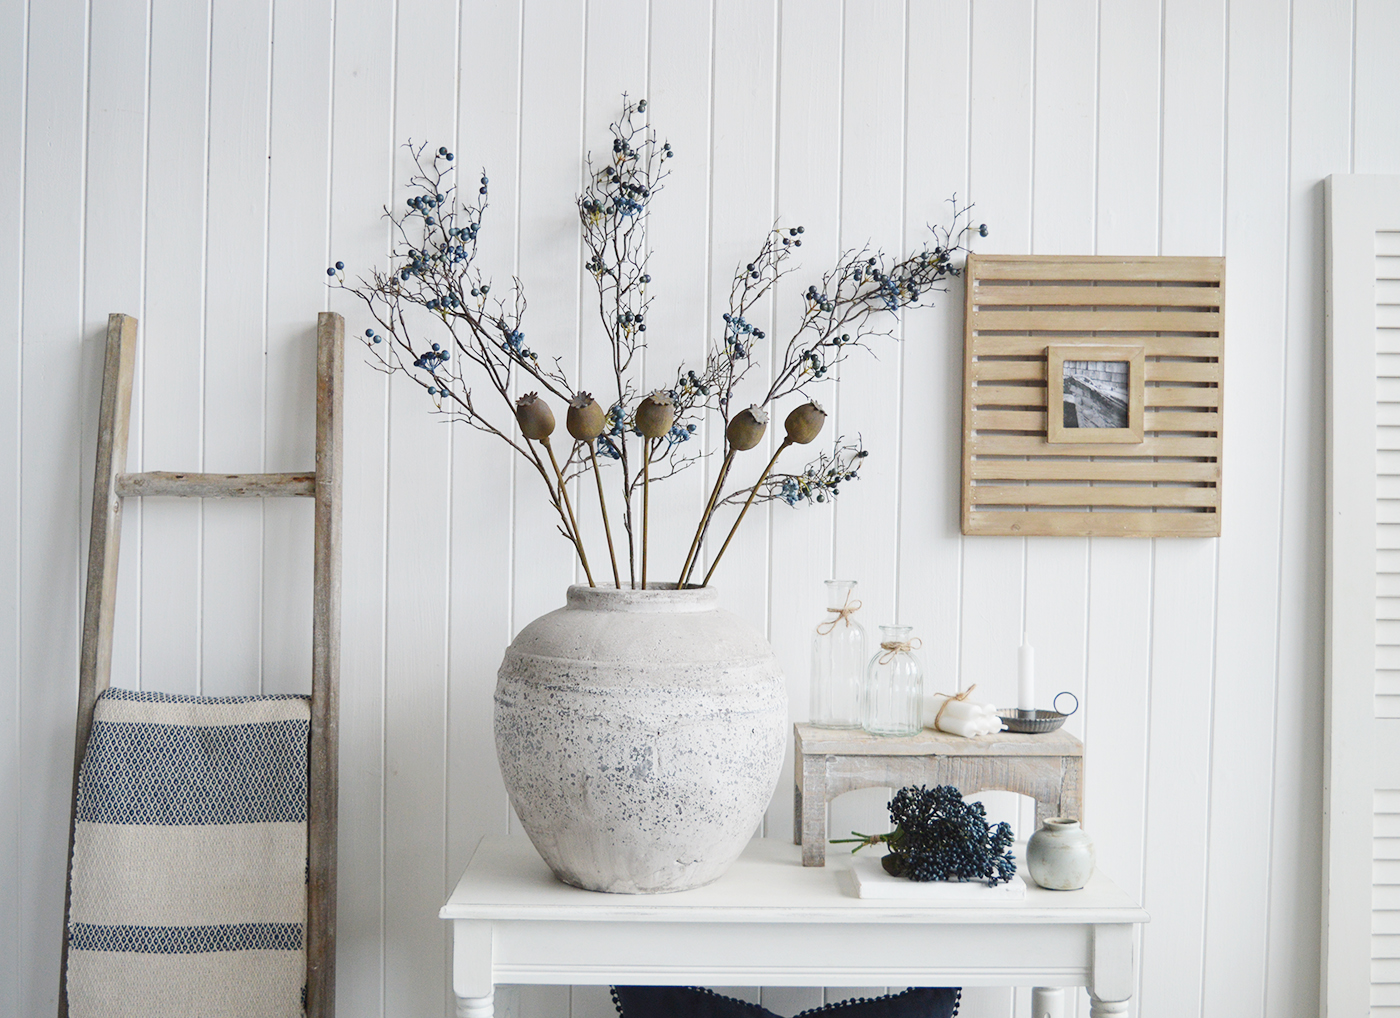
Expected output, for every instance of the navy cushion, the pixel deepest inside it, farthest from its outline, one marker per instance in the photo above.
(694, 1002)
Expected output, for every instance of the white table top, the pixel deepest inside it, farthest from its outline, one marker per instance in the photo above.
(507, 880)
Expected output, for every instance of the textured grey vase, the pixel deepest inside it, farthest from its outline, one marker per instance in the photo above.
(640, 735)
(1060, 855)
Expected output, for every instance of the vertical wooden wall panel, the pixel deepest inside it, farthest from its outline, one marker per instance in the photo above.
(551, 144)
(1063, 218)
(672, 66)
(1119, 637)
(617, 61)
(1001, 117)
(13, 68)
(1062, 221)
(1247, 640)
(865, 402)
(1000, 111)
(742, 161)
(362, 179)
(1183, 613)
(114, 271)
(807, 194)
(419, 554)
(872, 215)
(1376, 81)
(49, 492)
(240, 55)
(930, 542)
(1127, 164)
(298, 177)
(1319, 144)
(172, 331)
(551, 150)
(479, 622)
(999, 180)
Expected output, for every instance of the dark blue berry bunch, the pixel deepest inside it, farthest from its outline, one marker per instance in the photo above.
(736, 329)
(938, 836)
(821, 480)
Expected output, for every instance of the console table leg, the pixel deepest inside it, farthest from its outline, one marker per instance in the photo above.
(1047, 1002)
(1106, 1008)
(476, 1007)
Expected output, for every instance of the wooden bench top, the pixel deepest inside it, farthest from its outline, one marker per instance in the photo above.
(855, 742)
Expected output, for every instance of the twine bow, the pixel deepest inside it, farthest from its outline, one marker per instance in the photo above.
(893, 647)
(843, 614)
(949, 699)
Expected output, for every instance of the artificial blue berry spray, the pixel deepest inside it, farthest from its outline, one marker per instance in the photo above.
(437, 320)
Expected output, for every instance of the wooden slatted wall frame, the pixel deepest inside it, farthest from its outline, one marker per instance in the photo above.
(111, 485)
(1014, 481)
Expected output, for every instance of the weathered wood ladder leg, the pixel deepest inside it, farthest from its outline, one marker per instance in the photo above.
(110, 486)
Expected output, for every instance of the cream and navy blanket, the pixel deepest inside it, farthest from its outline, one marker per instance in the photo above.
(189, 859)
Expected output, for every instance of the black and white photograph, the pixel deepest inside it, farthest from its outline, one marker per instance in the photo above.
(1096, 394)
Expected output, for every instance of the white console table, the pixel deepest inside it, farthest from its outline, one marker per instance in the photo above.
(772, 922)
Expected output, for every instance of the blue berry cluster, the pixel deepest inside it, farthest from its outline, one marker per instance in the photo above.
(736, 327)
(615, 430)
(431, 360)
(514, 344)
(938, 836)
(822, 480)
(679, 433)
(692, 384)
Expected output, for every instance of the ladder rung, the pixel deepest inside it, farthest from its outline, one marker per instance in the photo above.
(161, 482)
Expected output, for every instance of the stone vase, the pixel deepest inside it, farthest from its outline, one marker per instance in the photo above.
(640, 735)
(1060, 856)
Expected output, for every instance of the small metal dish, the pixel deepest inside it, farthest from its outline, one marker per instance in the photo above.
(1040, 721)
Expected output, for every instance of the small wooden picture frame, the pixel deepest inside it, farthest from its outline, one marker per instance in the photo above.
(1094, 394)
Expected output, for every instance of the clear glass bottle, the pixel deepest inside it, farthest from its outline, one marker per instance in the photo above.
(892, 701)
(838, 660)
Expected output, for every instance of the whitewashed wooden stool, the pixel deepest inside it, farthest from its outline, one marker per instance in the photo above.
(1049, 768)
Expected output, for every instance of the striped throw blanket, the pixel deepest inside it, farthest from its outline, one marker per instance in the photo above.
(189, 859)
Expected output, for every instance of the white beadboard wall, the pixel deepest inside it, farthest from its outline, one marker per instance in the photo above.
(198, 164)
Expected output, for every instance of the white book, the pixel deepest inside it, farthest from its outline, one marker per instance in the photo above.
(868, 879)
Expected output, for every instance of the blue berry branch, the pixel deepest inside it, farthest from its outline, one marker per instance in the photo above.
(436, 320)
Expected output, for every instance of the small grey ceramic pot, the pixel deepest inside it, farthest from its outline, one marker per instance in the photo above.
(1060, 855)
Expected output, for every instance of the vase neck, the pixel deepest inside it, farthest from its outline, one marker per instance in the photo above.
(662, 599)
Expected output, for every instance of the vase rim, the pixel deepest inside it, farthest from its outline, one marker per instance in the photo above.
(660, 597)
(1063, 823)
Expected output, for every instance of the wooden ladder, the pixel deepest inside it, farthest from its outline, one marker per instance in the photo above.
(112, 484)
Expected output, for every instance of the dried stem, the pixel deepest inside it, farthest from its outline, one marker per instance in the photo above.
(705, 519)
(786, 442)
(573, 523)
(603, 507)
(647, 446)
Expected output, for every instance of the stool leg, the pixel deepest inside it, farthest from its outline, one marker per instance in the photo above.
(1071, 789)
(1047, 1002)
(813, 794)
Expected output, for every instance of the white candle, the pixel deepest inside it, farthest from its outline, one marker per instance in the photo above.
(1025, 684)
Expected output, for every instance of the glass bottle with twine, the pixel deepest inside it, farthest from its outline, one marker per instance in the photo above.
(892, 700)
(838, 660)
